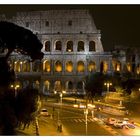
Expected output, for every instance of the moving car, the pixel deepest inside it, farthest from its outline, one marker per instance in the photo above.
(44, 112)
(110, 121)
(130, 125)
(119, 124)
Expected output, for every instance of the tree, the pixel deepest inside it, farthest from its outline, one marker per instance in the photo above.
(94, 84)
(14, 37)
(27, 106)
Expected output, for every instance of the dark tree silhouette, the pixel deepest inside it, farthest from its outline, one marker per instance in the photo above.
(24, 41)
(13, 37)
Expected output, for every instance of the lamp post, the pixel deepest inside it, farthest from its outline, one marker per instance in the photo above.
(108, 84)
(15, 88)
(86, 113)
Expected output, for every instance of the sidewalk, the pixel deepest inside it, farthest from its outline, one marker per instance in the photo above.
(46, 128)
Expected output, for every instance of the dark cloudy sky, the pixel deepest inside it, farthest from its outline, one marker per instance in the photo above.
(119, 24)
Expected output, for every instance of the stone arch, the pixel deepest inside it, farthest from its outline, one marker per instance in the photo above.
(118, 66)
(26, 66)
(69, 46)
(69, 66)
(46, 66)
(91, 66)
(80, 47)
(36, 84)
(46, 87)
(17, 67)
(58, 66)
(69, 85)
(37, 66)
(58, 45)
(47, 45)
(129, 67)
(58, 86)
(80, 86)
(80, 66)
(92, 46)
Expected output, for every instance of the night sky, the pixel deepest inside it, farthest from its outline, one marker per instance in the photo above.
(119, 24)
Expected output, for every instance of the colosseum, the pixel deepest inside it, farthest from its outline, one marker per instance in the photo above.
(72, 49)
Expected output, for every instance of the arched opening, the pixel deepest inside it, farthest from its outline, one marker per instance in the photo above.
(80, 86)
(36, 66)
(58, 66)
(26, 83)
(91, 66)
(129, 67)
(58, 46)
(46, 66)
(17, 67)
(57, 86)
(69, 47)
(47, 46)
(80, 46)
(46, 87)
(69, 85)
(80, 66)
(92, 46)
(118, 66)
(36, 84)
(103, 67)
(26, 66)
(69, 66)
(138, 69)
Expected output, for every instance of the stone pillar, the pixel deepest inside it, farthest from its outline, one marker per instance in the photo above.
(31, 69)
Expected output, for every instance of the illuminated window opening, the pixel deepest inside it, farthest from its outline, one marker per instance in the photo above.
(80, 66)
(138, 69)
(91, 66)
(46, 66)
(128, 67)
(58, 66)
(26, 66)
(69, 66)
(46, 86)
(104, 67)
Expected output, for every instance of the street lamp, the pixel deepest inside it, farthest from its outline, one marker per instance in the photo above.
(86, 113)
(108, 84)
(15, 88)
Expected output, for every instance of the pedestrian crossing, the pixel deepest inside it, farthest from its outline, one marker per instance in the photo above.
(78, 120)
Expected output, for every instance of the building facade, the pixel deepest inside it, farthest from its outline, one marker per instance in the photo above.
(72, 49)
(126, 59)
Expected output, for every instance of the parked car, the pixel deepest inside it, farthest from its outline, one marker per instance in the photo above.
(44, 112)
(119, 124)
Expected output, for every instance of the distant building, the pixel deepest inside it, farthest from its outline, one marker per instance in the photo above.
(126, 59)
(72, 47)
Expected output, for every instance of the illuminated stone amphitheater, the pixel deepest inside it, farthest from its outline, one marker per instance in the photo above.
(72, 47)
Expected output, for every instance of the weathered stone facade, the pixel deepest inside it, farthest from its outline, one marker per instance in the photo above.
(72, 47)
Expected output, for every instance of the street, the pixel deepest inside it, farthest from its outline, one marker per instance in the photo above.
(73, 121)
